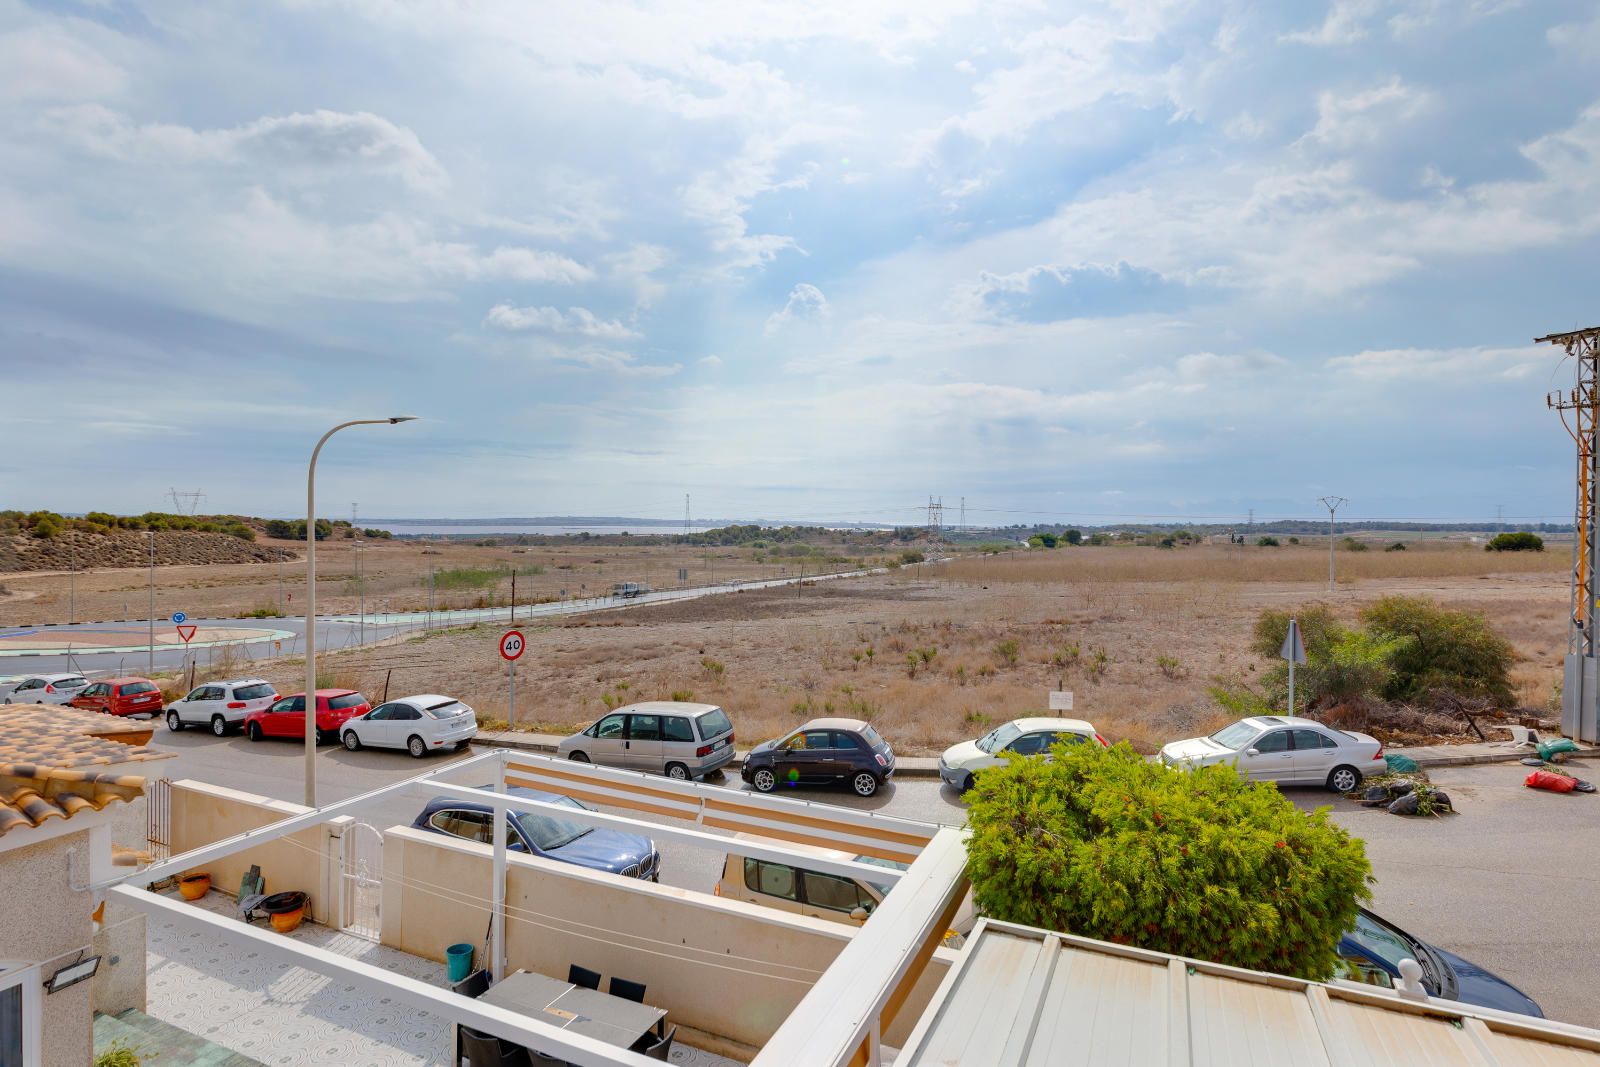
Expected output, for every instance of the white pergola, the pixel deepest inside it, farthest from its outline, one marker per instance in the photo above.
(838, 1022)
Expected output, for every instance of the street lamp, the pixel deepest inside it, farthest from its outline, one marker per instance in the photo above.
(311, 599)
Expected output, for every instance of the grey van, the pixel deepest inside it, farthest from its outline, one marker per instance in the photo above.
(667, 737)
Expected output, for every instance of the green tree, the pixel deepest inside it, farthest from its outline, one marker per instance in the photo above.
(1515, 542)
(1102, 843)
(1267, 541)
(1073, 537)
(1440, 649)
(1044, 540)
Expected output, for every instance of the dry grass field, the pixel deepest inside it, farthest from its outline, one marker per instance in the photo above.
(933, 654)
(396, 579)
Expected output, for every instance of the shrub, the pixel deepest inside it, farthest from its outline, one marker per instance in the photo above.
(240, 530)
(1044, 540)
(1294, 540)
(1267, 542)
(911, 557)
(683, 696)
(120, 1054)
(1008, 651)
(264, 611)
(1101, 843)
(46, 528)
(1398, 546)
(714, 669)
(1515, 542)
(1440, 649)
(1073, 537)
(1350, 544)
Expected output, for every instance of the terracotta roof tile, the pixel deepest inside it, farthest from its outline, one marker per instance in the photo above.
(56, 762)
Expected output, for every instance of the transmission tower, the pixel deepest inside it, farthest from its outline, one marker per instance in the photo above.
(686, 515)
(963, 526)
(178, 498)
(1332, 503)
(935, 518)
(1579, 408)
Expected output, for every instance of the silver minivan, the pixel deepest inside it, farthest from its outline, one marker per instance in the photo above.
(669, 737)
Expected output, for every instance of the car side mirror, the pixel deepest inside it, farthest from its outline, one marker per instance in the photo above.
(1252, 752)
(859, 915)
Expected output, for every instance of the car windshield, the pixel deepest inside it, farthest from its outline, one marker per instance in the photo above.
(893, 865)
(1235, 736)
(714, 724)
(549, 832)
(999, 737)
(1386, 944)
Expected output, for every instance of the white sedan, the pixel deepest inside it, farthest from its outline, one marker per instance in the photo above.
(1284, 749)
(419, 724)
(46, 689)
(1030, 737)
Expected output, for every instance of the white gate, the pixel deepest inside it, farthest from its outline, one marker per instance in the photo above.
(361, 880)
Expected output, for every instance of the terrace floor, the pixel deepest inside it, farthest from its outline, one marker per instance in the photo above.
(280, 1014)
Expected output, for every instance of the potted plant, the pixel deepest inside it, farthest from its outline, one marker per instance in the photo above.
(194, 886)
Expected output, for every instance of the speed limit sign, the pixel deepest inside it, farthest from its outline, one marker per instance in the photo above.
(512, 644)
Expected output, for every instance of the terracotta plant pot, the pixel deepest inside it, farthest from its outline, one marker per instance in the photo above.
(194, 886)
(285, 921)
(286, 910)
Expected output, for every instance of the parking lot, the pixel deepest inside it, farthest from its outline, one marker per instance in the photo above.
(1501, 883)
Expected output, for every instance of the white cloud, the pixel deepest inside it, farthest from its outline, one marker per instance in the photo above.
(806, 304)
(575, 320)
(1344, 24)
(1462, 366)
(55, 63)
(618, 363)
(710, 362)
(1345, 121)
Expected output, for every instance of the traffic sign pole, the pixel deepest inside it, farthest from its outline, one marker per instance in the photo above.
(511, 694)
(512, 646)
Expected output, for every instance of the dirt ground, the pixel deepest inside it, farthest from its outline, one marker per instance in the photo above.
(396, 577)
(934, 654)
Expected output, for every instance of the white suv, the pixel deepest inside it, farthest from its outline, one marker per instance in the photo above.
(221, 705)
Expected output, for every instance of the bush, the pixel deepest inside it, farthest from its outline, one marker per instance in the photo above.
(1439, 649)
(1267, 542)
(1350, 544)
(1515, 542)
(1101, 843)
(1398, 546)
(911, 557)
(1044, 540)
(240, 530)
(1073, 537)
(46, 528)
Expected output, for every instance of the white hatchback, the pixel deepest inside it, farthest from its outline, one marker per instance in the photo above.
(46, 689)
(1285, 749)
(220, 705)
(419, 724)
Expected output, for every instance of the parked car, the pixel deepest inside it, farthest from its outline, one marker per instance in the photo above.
(220, 705)
(822, 896)
(120, 696)
(47, 689)
(822, 752)
(1030, 737)
(669, 737)
(1285, 749)
(539, 833)
(419, 724)
(1371, 953)
(286, 716)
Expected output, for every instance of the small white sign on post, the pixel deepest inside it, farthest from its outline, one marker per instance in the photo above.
(1293, 650)
(1061, 700)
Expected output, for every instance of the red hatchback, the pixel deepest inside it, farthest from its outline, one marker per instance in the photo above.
(120, 696)
(286, 716)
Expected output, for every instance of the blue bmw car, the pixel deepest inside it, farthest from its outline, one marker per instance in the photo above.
(545, 834)
(1371, 952)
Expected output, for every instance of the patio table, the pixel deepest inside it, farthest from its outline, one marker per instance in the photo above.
(614, 1020)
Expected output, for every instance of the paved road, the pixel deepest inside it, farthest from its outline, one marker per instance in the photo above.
(1501, 883)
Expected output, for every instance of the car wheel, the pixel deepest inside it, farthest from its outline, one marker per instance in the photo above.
(253, 731)
(967, 783)
(351, 741)
(417, 746)
(1344, 779)
(173, 722)
(578, 757)
(219, 725)
(678, 771)
(764, 780)
(865, 784)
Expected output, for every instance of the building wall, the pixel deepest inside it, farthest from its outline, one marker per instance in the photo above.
(42, 918)
(727, 968)
(202, 813)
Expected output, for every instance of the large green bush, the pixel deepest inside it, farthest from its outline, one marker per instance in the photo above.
(1439, 649)
(1521, 541)
(1103, 843)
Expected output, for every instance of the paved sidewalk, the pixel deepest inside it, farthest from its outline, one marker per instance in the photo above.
(928, 766)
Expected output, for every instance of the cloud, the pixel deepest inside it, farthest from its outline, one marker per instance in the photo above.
(709, 362)
(1344, 121)
(618, 363)
(576, 320)
(1345, 24)
(1051, 293)
(55, 63)
(1443, 365)
(806, 305)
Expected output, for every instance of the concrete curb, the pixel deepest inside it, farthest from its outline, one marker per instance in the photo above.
(905, 767)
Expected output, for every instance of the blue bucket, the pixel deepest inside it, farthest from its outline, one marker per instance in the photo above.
(459, 960)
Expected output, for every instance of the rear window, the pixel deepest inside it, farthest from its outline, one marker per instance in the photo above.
(349, 700)
(72, 683)
(253, 692)
(714, 723)
(871, 736)
(446, 710)
(133, 688)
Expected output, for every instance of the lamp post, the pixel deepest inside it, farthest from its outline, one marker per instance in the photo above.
(311, 599)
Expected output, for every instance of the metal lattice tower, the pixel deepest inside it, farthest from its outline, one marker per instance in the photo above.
(935, 518)
(1579, 408)
(178, 498)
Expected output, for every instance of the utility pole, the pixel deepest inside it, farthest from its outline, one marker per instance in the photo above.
(72, 596)
(1332, 503)
(935, 520)
(151, 665)
(1499, 518)
(1579, 408)
(963, 515)
(361, 582)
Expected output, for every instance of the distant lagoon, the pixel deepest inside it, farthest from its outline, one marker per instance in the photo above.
(426, 529)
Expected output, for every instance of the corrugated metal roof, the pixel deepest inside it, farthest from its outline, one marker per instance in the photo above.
(1022, 997)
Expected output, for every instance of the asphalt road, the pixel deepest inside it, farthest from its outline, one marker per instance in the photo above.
(1492, 883)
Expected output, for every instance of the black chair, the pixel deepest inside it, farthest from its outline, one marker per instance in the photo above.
(662, 1049)
(475, 984)
(621, 987)
(584, 977)
(486, 1050)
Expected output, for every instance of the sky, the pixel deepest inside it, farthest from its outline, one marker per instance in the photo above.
(1080, 262)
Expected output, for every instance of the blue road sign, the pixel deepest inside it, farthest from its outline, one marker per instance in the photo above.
(179, 618)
